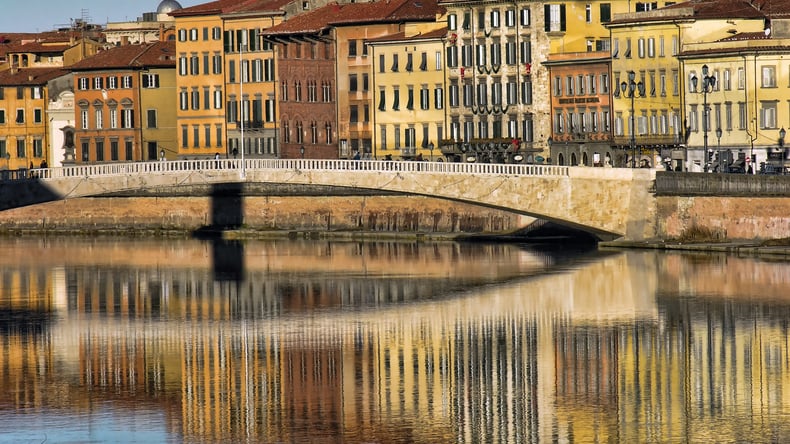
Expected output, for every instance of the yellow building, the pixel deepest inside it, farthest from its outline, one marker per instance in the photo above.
(24, 138)
(226, 80)
(652, 120)
(746, 103)
(372, 21)
(409, 104)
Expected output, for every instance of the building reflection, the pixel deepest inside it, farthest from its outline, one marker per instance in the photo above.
(433, 342)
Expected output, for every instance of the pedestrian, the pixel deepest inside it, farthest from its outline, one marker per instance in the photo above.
(216, 160)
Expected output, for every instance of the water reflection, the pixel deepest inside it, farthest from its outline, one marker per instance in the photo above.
(388, 342)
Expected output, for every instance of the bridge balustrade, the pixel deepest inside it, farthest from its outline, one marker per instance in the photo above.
(179, 166)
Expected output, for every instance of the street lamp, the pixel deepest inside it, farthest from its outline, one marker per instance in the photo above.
(301, 151)
(718, 144)
(782, 134)
(430, 145)
(632, 88)
(708, 84)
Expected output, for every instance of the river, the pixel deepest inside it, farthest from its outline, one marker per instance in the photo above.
(184, 340)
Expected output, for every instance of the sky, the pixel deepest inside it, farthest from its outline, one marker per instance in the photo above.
(46, 15)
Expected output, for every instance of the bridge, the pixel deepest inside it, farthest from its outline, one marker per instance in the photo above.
(608, 202)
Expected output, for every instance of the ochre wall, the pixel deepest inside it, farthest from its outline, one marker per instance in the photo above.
(346, 213)
(731, 218)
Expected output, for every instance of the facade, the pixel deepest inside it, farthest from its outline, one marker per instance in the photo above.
(24, 135)
(225, 80)
(497, 95)
(125, 104)
(581, 109)
(409, 106)
(307, 76)
(661, 125)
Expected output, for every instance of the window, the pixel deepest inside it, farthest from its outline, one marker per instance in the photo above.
(150, 80)
(114, 149)
(396, 99)
(126, 82)
(438, 97)
(454, 95)
(382, 99)
(524, 17)
(606, 12)
(588, 13)
(394, 63)
(555, 18)
(352, 48)
(151, 117)
(410, 102)
(768, 115)
(510, 18)
(452, 22)
(424, 97)
(768, 77)
(127, 118)
(352, 83)
(409, 62)
(38, 115)
(353, 114)
(99, 150)
(495, 18)
(20, 116)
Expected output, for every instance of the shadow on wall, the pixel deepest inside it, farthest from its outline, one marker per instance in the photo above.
(227, 213)
(24, 192)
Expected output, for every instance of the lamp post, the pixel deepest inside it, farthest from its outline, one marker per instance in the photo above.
(632, 88)
(718, 144)
(782, 134)
(708, 83)
(430, 146)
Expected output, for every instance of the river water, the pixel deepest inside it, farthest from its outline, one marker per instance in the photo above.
(113, 340)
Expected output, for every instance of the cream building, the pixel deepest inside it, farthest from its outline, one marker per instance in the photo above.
(409, 104)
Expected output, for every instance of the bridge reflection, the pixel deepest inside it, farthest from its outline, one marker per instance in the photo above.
(509, 343)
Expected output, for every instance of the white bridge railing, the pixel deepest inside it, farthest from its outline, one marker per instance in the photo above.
(251, 165)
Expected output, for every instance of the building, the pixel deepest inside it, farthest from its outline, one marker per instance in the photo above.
(581, 109)
(24, 134)
(125, 101)
(747, 115)
(658, 121)
(497, 93)
(226, 79)
(409, 102)
(151, 27)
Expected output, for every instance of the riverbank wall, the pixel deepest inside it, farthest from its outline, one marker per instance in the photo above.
(260, 214)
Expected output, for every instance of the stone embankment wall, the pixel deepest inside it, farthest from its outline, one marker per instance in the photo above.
(722, 206)
(391, 214)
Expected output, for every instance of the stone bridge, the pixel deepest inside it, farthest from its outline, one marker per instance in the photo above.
(609, 202)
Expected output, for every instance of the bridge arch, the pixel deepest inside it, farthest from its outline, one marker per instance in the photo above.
(610, 202)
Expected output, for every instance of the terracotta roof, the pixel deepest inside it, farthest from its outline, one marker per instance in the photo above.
(334, 14)
(401, 36)
(37, 47)
(220, 7)
(30, 76)
(156, 54)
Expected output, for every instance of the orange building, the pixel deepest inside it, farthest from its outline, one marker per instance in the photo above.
(124, 100)
(226, 79)
(581, 109)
